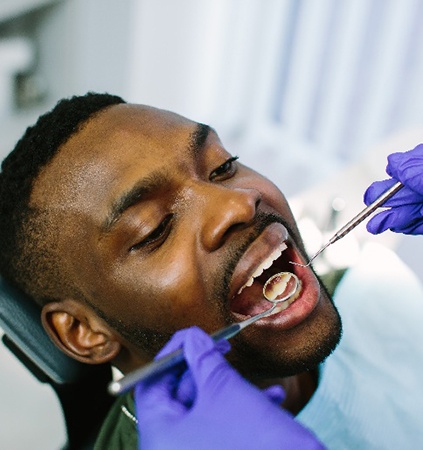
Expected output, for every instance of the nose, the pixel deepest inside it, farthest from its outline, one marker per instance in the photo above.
(225, 211)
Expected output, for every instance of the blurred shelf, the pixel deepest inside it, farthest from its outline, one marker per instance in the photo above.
(13, 126)
(10, 9)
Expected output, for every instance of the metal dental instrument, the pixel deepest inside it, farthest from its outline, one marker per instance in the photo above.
(356, 220)
(177, 357)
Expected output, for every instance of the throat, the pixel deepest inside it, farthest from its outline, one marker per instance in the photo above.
(298, 389)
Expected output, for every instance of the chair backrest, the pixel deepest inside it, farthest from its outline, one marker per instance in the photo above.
(20, 320)
(81, 388)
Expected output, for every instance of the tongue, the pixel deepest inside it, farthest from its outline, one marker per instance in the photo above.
(251, 301)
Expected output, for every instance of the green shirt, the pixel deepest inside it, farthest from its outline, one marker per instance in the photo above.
(119, 430)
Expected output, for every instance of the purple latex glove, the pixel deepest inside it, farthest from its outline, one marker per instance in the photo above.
(210, 406)
(405, 213)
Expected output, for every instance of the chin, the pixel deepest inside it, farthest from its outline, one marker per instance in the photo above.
(300, 350)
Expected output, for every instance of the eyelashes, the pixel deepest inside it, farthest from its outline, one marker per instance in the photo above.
(226, 170)
(157, 236)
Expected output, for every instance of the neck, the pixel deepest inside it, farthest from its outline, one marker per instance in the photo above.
(298, 389)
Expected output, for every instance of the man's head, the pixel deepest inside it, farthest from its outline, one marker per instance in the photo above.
(138, 222)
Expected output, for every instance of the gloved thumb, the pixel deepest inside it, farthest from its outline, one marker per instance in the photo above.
(275, 394)
(205, 360)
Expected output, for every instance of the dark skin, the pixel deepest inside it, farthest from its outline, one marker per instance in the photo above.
(159, 228)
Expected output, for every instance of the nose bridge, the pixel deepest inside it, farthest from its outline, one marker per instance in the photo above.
(219, 210)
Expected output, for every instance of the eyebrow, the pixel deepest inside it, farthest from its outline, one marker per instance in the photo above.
(152, 182)
(198, 138)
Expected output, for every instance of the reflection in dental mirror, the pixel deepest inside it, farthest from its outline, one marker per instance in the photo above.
(280, 287)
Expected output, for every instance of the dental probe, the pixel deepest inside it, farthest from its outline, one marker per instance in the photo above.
(356, 220)
(172, 359)
(176, 357)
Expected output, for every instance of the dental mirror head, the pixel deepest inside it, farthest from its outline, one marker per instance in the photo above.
(280, 287)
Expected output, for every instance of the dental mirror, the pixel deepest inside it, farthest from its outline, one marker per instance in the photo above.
(280, 287)
(277, 289)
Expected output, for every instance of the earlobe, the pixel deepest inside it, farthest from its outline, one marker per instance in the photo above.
(79, 332)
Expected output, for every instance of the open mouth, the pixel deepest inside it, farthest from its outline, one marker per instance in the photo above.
(249, 300)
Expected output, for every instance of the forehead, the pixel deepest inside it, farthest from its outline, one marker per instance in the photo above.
(119, 143)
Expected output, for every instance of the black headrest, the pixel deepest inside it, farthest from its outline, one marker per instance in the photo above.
(20, 318)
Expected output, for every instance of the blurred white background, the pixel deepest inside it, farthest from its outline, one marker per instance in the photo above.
(314, 94)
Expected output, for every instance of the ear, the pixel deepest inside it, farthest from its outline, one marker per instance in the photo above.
(78, 331)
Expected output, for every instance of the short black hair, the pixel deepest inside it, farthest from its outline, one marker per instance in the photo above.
(26, 260)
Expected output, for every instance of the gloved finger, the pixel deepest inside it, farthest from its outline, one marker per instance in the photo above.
(407, 167)
(153, 398)
(186, 390)
(402, 219)
(222, 346)
(403, 197)
(182, 387)
(376, 189)
(413, 228)
(175, 388)
(204, 359)
(175, 342)
(275, 394)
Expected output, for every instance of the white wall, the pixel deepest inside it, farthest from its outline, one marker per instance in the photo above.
(300, 84)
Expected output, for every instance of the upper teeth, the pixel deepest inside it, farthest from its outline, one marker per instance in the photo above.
(265, 265)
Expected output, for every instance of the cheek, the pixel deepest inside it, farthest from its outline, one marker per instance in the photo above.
(177, 286)
(165, 294)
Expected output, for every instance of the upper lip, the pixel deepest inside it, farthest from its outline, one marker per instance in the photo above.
(270, 239)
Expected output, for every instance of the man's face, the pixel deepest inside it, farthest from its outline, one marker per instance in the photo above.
(161, 228)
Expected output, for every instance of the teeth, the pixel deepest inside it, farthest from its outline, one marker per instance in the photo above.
(283, 305)
(249, 282)
(265, 265)
(258, 272)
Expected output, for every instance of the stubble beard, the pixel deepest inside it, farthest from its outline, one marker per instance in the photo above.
(249, 359)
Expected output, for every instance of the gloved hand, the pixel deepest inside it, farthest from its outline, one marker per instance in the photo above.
(210, 406)
(405, 214)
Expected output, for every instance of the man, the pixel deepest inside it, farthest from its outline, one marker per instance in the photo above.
(127, 223)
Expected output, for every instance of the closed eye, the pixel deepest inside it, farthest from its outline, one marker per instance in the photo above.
(226, 170)
(157, 236)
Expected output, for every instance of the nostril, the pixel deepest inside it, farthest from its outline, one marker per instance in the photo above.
(233, 229)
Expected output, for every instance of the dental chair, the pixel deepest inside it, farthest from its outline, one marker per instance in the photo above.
(80, 388)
